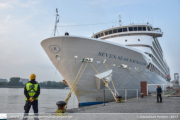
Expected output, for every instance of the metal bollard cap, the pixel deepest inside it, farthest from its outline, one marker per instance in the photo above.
(118, 97)
(61, 103)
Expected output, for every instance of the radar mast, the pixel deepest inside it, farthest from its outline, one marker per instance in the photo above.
(119, 20)
(56, 21)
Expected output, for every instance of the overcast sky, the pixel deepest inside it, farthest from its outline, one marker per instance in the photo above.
(25, 23)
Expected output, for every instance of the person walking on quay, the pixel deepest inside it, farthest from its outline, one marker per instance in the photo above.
(31, 92)
(159, 91)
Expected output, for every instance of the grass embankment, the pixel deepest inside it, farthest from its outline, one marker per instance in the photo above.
(170, 92)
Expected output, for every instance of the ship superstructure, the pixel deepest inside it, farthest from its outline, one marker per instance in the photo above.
(142, 37)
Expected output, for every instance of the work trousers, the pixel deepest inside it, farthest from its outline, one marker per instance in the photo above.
(159, 96)
(27, 107)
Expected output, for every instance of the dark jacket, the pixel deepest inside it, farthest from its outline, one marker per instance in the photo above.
(37, 93)
(159, 90)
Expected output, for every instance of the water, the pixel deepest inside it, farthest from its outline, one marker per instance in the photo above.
(12, 100)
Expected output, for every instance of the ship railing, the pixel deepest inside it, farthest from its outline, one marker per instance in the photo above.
(156, 29)
(126, 94)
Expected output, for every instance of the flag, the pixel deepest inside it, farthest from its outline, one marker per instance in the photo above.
(57, 20)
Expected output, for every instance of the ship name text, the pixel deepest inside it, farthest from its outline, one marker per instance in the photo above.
(120, 58)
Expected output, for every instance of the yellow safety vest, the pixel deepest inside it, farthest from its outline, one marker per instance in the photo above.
(32, 89)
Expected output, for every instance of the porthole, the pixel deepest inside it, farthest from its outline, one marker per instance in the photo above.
(138, 39)
(125, 40)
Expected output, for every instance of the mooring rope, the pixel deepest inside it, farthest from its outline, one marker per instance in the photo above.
(112, 80)
(104, 82)
(74, 78)
(74, 84)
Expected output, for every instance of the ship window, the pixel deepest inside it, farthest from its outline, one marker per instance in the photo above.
(110, 32)
(106, 33)
(144, 28)
(139, 28)
(102, 34)
(125, 40)
(138, 39)
(115, 31)
(124, 29)
(135, 28)
(130, 28)
(148, 29)
(96, 36)
(120, 30)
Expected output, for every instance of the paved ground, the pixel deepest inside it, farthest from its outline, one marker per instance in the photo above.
(141, 105)
(134, 109)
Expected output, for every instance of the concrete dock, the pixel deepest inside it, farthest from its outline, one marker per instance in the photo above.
(133, 109)
(147, 104)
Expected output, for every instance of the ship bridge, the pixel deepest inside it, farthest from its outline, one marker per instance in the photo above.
(132, 29)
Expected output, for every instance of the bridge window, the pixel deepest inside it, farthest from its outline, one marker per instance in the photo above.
(144, 28)
(139, 28)
(135, 28)
(120, 30)
(115, 31)
(130, 28)
(124, 29)
(110, 32)
(106, 33)
(102, 34)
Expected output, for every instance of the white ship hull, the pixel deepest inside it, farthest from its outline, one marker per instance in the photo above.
(67, 47)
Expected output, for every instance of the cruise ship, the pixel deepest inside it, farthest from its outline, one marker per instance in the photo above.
(125, 55)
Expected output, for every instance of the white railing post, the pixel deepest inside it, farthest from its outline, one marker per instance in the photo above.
(163, 89)
(147, 89)
(125, 94)
(137, 93)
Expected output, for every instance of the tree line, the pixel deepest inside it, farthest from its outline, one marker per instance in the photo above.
(15, 81)
(53, 84)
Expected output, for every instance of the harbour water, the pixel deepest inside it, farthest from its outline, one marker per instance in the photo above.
(12, 100)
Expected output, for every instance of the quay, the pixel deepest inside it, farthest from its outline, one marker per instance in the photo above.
(145, 108)
(146, 104)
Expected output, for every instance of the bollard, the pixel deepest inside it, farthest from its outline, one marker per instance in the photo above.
(142, 95)
(61, 106)
(118, 99)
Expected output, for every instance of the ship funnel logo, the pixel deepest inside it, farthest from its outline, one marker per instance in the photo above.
(54, 48)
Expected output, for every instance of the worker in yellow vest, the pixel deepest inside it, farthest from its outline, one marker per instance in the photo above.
(31, 92)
